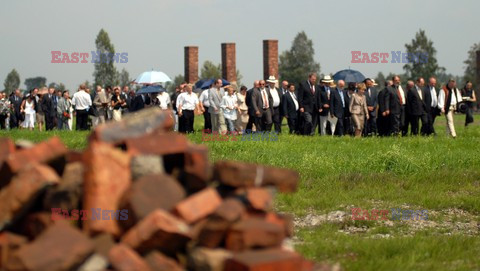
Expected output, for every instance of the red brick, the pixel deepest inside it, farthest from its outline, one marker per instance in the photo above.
(259, 198)
(123, 258)
(146, 121)
(283, 220)
(9, 243)
(52, 151)
(159, 262)
(159, 230)
(254, 233)
(150, 193)
(267, 260)
(208, 259)
(107, 178)
(230, 210)
(198, 170)
(19, 195)
(157, 143)
(238, 174)
(68, 193)
(212, 233)
(198, 205)
(7, 146)
(191, 64)
(35, 223)
(60, 247)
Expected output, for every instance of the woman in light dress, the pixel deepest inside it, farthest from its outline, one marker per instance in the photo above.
(28, 108)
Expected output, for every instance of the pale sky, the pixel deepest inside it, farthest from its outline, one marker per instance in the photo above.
(154, 33)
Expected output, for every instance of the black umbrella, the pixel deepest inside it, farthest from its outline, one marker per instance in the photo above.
(349, 76)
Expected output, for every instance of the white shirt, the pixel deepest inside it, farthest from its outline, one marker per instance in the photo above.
(164, 100)
(276, 98)
(81, 100)
(227, 103)
(294, 98)
(204, 98)
(187, 101)
(419, 91)
(402, 93)
(433, 93)
(264, 94)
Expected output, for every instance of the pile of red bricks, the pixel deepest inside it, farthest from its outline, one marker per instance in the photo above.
(140, 198)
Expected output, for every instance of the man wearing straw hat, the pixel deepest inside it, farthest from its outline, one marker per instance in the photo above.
(323, 101)
(276, 106)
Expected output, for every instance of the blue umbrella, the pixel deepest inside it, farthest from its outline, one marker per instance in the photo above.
(151, 89)
(206, 83)
(349, 76)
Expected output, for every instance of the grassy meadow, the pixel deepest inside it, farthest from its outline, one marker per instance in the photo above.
(439, 174)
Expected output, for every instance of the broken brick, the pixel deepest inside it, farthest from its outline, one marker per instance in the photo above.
(267, 260)
(254, 233)
(60, 247)
(208, 259)
(230, 210)
(159, 262)
(159, 230)
(9, 242)
(143, 122)
(123, 258)
(51, 152)
(107, 178)
(68, 193)
(7, 146)
(198, 205)
(150, 193)
(238, 174)
(23, 190)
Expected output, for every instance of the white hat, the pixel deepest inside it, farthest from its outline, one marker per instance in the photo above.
(327, 79)
(271, 79)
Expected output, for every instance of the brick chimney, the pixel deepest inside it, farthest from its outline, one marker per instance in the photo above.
(229, 67)
(191, 64)
(270, 58)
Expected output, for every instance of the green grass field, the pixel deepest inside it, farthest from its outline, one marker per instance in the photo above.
(439, 174)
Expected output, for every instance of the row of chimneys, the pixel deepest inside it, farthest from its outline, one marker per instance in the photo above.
(229, 70)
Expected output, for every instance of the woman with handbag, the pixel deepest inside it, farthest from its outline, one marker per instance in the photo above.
(468, 95)
(117, 103)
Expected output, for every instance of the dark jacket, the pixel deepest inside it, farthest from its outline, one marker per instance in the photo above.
(289, 106)
(306, 99)
(372, 100)
(392, 102)
(382, 99)
(248, 101)
(415, 105)
(48, 106)
(323, 99)
(336, 107)
(257, 101)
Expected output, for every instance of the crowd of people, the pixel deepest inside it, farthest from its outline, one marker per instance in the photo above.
(336, 108)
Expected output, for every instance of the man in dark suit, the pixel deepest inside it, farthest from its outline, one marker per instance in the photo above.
(431, 103)
(277, 104)
(251, 111)
(308, 104)
(393, 106)
(262, 104)
(15, 103)
(383, 120)
(290, 108)
(49, 109)
(371, 96)
(338, 106)
(416, 105)
(140, 101)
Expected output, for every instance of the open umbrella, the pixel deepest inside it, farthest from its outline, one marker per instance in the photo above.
(206, 83)
(152, 77)
(349, 76)
(151, 89)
